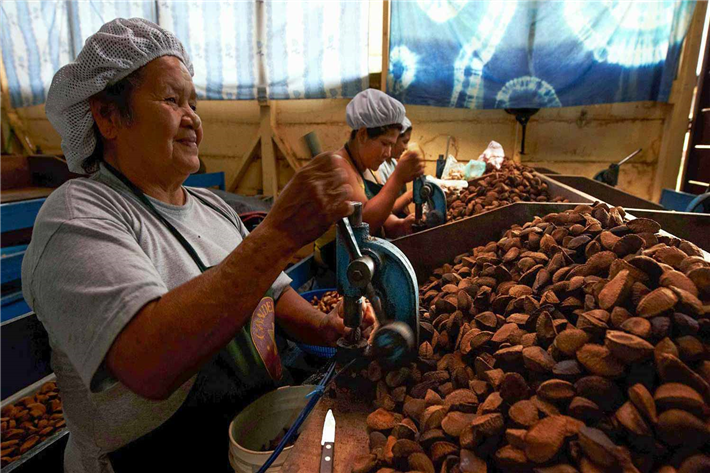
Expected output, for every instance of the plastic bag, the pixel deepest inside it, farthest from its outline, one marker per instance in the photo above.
(474, 169)
(453, 170)
(494, 154)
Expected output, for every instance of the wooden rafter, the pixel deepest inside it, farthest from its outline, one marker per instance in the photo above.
(286, 151)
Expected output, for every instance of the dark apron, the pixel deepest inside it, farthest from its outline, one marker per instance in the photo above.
(373, 188)
(196, 436)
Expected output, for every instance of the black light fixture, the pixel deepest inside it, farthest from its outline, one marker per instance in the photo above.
(522, 115)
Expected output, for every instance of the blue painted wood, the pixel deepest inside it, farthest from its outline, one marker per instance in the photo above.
(19, 215)
(10, 250)
(675, 200)
(11, 263)
(13, 306)
(209, 179)
(10, 298)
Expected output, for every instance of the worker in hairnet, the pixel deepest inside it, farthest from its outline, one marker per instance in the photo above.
(161, 308)
(387, 168)
(376, 122)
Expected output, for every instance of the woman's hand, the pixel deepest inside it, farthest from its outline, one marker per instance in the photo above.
(334, 327)
(317, 196)
(409, 167)
(407, 223)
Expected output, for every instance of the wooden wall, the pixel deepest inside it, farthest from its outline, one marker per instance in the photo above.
(574, 140)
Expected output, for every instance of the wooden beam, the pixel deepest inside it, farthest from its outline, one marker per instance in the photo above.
(286, 151)
(385, 44)
(676, 123)
(269, 170)
(15, 121)
(249, 158)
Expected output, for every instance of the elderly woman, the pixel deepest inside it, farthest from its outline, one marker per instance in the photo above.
(376, 120)
(160, 307)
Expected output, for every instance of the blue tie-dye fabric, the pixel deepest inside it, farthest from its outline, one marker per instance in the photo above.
(534, 54)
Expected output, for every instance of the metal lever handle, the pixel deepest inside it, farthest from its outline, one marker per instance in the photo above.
(361, 268)
(347, 231)
(349, 239)
(629, 157)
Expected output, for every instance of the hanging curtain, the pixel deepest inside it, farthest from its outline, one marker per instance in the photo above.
(300, 49)
(534, 54)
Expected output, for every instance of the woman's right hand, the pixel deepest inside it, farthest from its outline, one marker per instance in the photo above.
(410, 166)
(317, 196)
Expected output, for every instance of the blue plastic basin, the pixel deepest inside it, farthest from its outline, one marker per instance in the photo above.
(321, 352)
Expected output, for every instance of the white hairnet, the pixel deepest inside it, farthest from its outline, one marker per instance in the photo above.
(406, 125)
(372, 108)
(120, 47)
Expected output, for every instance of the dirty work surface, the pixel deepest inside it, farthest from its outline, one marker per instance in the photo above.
(350, 436)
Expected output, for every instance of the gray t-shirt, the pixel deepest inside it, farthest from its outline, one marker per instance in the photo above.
(97, 257)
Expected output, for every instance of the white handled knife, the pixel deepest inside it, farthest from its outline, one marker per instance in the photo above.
(327, 442)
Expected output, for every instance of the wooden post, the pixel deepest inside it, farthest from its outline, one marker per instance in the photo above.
(15, 121)
(676, 123)
(269, 169)
(385, 44)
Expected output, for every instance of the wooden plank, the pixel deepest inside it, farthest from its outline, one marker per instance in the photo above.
(385, 44)
(13, 306)
(351, 437)
(25, 193)
(19, 215)
(269, 169)
(246, 162)
(676, 123)
(286, 151)
(11, 268)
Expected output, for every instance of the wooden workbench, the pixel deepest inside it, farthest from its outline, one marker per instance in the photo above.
(351, 437)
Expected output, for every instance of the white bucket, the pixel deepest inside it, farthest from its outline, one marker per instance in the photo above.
(262, 421)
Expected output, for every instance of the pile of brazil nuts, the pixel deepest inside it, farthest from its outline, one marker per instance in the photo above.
(327, 302)
(511, 183)
(578, 342)
(30, 421)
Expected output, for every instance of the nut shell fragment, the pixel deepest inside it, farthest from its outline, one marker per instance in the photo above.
(656, 302)
(544, 440)
(599, 360)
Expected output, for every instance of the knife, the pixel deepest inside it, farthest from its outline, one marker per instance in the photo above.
(327, 442)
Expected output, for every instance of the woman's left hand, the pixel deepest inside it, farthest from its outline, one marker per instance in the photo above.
(334, 326)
